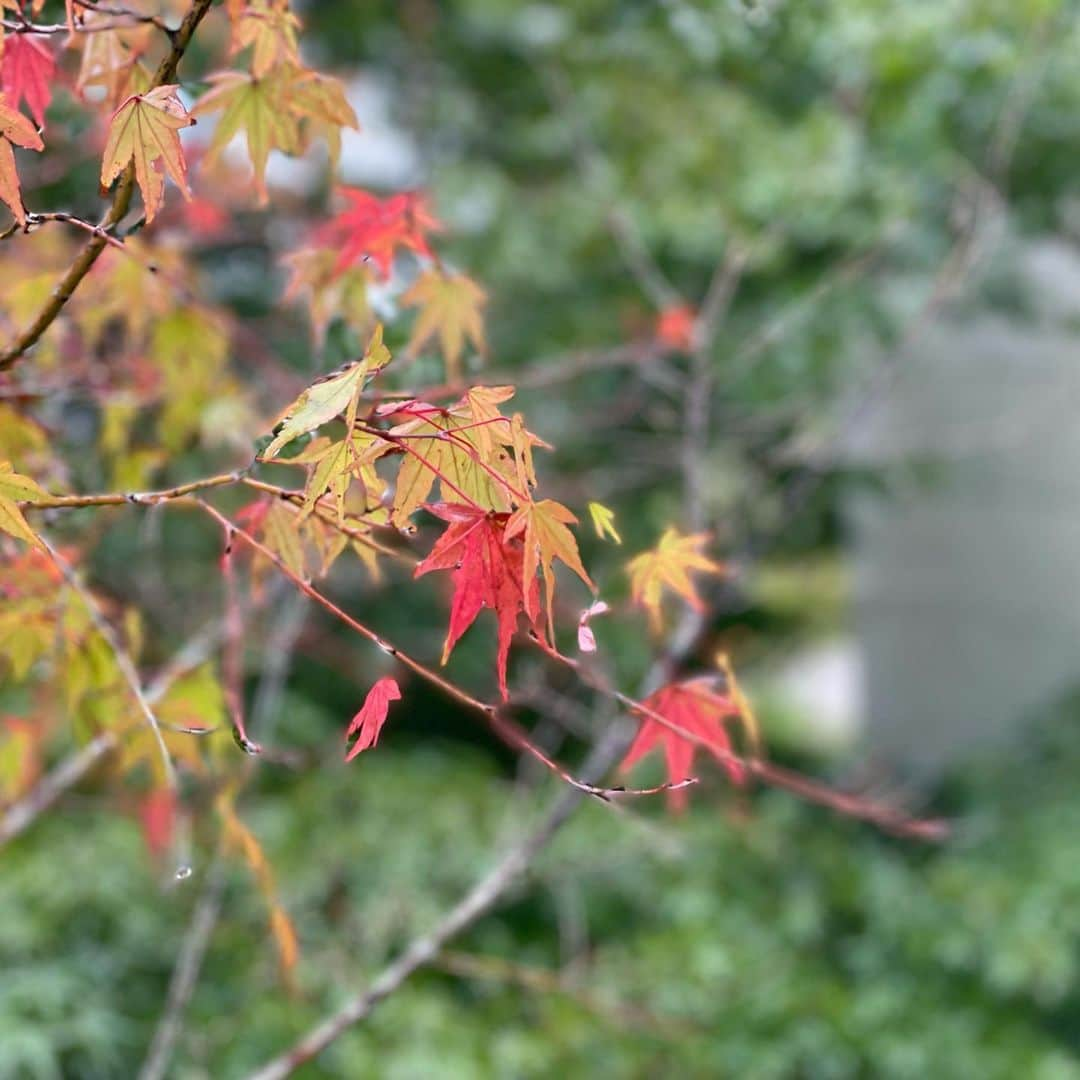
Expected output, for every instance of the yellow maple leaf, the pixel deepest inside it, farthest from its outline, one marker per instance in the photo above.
(668, 566)
(330, 397)
(145, 130)
(15, 488)
(464, 447)
(256, 107)
(603, 520)
(110, 56)
(269, 27)
(450, 306)
(319, 102)
(275, 112)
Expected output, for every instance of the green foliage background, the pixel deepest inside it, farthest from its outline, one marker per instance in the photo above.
(757, 940)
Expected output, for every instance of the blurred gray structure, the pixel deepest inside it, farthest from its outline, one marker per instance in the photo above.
(967, 583)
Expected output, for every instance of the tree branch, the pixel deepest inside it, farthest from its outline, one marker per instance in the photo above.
(97, 243)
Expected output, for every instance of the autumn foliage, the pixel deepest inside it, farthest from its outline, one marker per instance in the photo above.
(367, 462)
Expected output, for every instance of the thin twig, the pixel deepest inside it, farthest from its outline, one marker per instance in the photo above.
(124, 664)
(699, 384)
(185, 974)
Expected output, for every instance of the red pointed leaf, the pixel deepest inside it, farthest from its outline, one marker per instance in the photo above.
(487, 572)
(374, 228)
(694, 707)
(26, 72)
(369, 720)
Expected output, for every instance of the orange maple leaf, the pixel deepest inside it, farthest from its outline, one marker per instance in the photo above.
(14, 128)
(546, 538)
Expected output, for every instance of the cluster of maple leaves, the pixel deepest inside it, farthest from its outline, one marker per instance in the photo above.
(375, 460)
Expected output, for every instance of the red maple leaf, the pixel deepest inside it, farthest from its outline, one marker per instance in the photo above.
(675, 326)
(26, 73)
(375, 228)
(372, 715)
(488, 571)
(696, 708)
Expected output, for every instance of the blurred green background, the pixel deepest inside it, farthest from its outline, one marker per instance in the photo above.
(853, 148)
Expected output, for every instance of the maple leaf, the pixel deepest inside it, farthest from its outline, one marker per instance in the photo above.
(257, 107)
(374, 228)
(110, 57)
(668, 566)
(696, 708)
(328, 296)
(330, 397)
(546, 538)
(450, 307)
(14, 489)
(14, 128)
(369, 720)
(487, 572)
(675, 326)
(269, 27)
(335, 464)
(465, 448)
(320, 103)
(26, 73)
(145, 130)
(603, 521)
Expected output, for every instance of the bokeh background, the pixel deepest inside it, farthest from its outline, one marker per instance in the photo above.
(888, 463)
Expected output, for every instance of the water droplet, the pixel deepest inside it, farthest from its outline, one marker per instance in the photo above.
(183, 872)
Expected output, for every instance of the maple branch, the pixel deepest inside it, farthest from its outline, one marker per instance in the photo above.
(123, 13)
(699, 385)
(491, 713)
(121, 202)
(137, 498)
(885, 817)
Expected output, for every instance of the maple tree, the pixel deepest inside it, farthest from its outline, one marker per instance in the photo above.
(404, 436)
